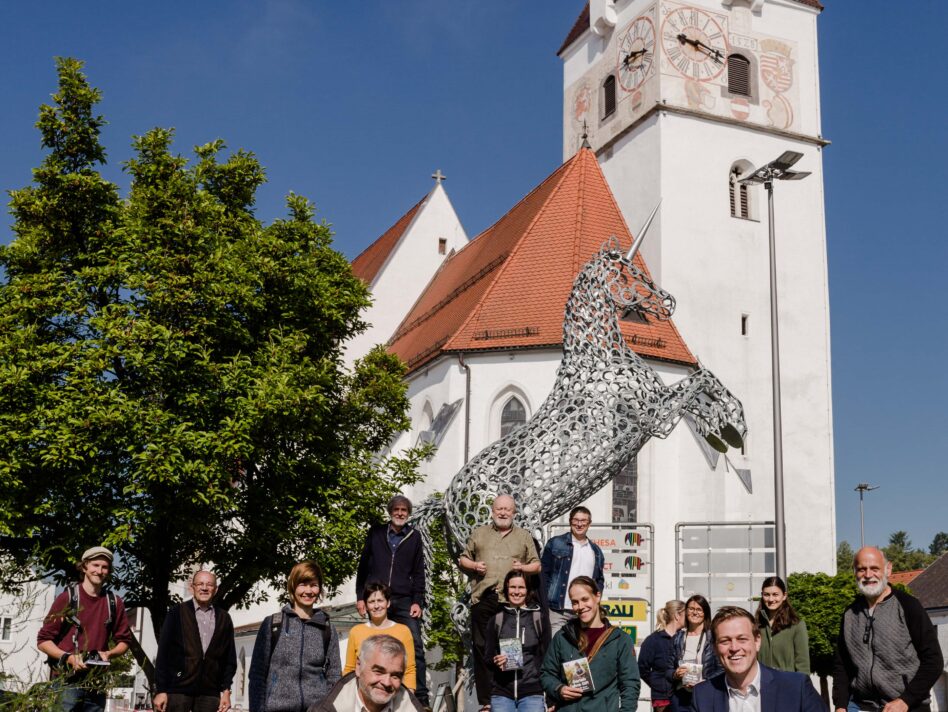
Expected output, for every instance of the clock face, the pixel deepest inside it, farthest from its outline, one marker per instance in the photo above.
(636, 53)
(694, 43)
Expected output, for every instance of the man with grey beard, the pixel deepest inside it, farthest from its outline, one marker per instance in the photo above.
(887, 654)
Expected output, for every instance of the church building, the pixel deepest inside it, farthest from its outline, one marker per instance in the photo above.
(671, 102)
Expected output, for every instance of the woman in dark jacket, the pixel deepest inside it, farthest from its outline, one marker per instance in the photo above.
(296, 655)
(516, 686)
(658, 659)
(694, 649)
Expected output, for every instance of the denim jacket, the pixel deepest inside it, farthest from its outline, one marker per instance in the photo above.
(556, 561)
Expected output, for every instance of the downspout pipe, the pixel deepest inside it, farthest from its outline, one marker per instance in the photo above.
(467, 407)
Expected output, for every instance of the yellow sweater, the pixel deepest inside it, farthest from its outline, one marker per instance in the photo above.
(398, 631)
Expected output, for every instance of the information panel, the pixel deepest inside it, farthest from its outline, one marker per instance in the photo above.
(629, 579)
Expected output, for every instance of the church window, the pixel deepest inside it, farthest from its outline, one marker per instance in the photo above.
(740, 196)
(609, 96)
(739, 75)
(744, 324)
(512, 416)
(442, 246)
(625, 487)
(6, 628)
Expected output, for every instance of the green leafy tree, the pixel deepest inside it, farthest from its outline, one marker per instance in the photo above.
(171, 377)
(820, 600)
(939, 544)
(448, 585)
(844, 557)
(901, 554)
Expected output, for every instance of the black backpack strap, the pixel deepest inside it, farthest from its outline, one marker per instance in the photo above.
(327, 636)
(110, 621)
(276, 624)
(499, 621)
(538, 624)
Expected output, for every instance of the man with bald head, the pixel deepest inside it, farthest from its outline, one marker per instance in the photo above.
(887, 655)
(492, 551)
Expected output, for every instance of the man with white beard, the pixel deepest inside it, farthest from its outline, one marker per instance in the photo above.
(887, 654)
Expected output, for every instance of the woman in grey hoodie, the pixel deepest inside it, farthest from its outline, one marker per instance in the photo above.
(296, 656)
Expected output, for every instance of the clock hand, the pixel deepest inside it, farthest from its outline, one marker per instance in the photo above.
(631, 56)
(714, 54)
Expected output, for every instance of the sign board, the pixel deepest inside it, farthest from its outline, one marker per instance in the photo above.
(628, 574)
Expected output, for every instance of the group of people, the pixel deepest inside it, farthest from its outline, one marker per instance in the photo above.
(682, 652)
(541, 638)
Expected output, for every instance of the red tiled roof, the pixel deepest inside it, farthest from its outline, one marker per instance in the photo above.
(582, 23)
(367, 265)
(507, 288)
(904, 577)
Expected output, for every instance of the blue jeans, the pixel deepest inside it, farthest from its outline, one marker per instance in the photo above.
(533, 703)
(77, 699)
(398, 611)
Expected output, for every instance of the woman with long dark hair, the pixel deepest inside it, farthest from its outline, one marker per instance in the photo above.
(590, 665)
(694, 650)
(515, 645)
(784, 643)
(658, 659)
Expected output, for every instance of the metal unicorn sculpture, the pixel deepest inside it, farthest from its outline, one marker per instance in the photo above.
(605, 404)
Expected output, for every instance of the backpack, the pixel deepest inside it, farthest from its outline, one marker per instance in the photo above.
(71, 618)
(276, 628)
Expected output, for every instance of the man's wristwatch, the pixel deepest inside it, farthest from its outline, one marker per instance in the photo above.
(64, 660)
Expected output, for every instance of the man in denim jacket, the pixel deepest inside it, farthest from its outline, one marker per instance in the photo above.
(564, 558)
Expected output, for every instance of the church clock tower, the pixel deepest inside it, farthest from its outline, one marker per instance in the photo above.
(679, 99)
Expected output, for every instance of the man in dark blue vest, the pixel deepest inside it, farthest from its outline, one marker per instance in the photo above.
(197, 657)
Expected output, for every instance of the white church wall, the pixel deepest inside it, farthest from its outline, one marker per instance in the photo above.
(409, 268)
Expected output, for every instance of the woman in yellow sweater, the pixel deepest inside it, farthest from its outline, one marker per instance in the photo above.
(377, 597)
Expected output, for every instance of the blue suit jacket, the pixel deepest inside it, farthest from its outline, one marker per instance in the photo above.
(779, 692)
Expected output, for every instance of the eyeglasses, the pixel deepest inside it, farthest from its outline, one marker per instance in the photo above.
(867, 636)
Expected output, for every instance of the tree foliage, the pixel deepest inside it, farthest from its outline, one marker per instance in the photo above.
(171, 378)
(820, 600)
(901, 554)
(448, 585)
(844, 557)
(939, 544)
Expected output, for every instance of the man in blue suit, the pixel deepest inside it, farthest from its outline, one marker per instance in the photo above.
(746, 685)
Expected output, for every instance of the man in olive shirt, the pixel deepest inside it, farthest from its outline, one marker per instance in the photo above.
(493, 551)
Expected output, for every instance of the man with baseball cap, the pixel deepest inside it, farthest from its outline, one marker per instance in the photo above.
(82, 623)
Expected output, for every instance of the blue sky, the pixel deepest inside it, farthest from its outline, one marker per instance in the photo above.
(354, 105)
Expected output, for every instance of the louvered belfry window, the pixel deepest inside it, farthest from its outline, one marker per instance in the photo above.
(609, 96)
(738, 75)
(740, 199)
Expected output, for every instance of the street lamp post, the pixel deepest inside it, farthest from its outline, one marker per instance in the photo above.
(779, 169)
(862, 488)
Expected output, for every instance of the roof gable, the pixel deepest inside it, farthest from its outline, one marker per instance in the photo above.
(507, 288)
(368, 263)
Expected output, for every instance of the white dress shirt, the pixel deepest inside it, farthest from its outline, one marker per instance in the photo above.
(739, 702)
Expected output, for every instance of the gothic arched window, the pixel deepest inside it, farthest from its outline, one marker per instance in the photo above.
(512, 416)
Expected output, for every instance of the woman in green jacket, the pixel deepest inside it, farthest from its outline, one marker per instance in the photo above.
(608, 651)
(784, 644)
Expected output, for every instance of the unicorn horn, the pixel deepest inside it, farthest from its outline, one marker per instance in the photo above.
(641, 234)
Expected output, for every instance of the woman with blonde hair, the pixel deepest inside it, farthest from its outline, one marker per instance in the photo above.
(658, 659)
(295, 659)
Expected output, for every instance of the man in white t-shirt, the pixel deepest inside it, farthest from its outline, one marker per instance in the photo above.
(564, 558)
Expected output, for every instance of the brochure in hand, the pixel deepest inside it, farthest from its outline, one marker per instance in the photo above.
(513, 649)
(578, 674)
